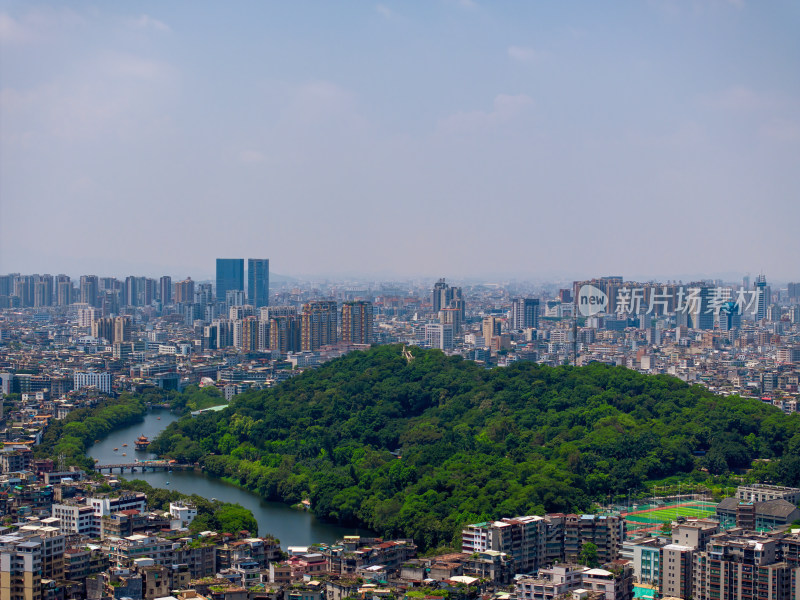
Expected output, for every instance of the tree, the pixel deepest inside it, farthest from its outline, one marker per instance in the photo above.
(588, 555)
(234, 517)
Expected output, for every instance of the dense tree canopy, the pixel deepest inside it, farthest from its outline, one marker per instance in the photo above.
(419, 448)
(71, 437)
(212, 515)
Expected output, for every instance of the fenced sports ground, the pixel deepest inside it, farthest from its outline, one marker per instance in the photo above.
(651, 517)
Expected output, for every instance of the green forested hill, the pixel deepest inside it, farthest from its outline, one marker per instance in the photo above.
(474, 443)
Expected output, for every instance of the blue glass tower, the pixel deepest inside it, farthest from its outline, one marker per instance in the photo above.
(258, 281)
(230, 276)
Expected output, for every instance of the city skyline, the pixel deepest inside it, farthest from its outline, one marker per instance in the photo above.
(382, 139)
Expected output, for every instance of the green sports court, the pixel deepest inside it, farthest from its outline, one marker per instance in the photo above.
(653, 516)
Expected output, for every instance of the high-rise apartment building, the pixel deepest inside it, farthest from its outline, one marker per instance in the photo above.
(451, 316)
(122, 329)
(605, 532)
(63, 290)
(138, 291)
(184, 291)
(103, 329)
(89, 289)
(258, 282)
(218, 335)
(700, 312)
(534, 541)
(763, 297)
(319, 321)
(284, 334)
(24, 289)
(27, 556)
(444, 296)
(249, 337)
(230, 276)
(492, 326)
(357, 322)
(675, 578)
(439, 335)
(742, 568)
(730, 316)
(6, 285)
(43, 290)
(102, 381)
(525, 313)
(165, 290)
(270, 312)
(439, 292)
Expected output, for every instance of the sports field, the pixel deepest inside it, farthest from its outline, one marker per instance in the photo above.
(655, 516)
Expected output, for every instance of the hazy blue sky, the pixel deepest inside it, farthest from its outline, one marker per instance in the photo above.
(439, 137)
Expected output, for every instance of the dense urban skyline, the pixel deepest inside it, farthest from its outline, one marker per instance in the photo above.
(395, 139)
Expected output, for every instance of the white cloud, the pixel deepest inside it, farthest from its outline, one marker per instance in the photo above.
(251, 157)
(505, 108)
(781, 130)
(121, 95)
(12, 31)
(148, 22)
(384, 11)
(524, 54)
(37, 25)
(741, 99)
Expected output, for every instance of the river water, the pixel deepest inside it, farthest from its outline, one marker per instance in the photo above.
(292, 527)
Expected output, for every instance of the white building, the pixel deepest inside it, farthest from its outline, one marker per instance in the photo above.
(106, 506)
(102, 381)
(182, 514)
(439, 335)
(76, 519)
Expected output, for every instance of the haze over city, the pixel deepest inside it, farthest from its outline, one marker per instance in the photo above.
(463, 138)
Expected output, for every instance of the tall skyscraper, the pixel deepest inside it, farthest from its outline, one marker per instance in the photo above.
(444, 296)
(438, 295)
(357, 322)
(184, 291)
(491, 328)
(700, 313)
(165, 290)
(318, 324)
(24, 288)
(763, 297)
(258, 282)
(43, 290)
(63, 290)
(439, 335)
(284, 334)
(525, 313)
(249, 338)
(6, 285)
(452, 316)
(122, 329)
(104, 329)
(89, 289)
(138, 291)
(230, 276)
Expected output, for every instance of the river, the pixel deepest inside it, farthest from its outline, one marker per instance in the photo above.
(292, 527)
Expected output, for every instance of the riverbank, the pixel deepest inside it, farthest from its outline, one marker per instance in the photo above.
(293, 527)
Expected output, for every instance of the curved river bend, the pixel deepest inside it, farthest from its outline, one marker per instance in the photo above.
(292, 527)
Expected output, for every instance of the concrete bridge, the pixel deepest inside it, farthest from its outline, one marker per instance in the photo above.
(151, 465)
